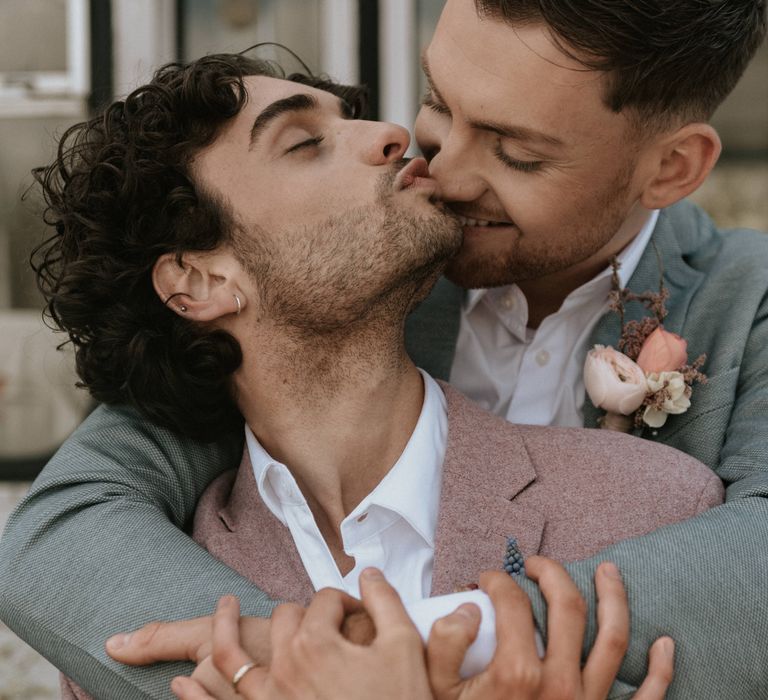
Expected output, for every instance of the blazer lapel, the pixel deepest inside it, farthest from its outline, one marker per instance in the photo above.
(432, 329)
(486, 466)
(258, 545)
(665, 253)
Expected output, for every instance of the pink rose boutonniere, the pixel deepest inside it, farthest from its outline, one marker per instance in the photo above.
(648, 378)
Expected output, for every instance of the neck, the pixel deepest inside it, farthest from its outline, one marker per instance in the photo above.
(336, 409)
(545, 295)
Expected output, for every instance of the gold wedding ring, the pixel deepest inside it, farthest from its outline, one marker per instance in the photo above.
(241, 672)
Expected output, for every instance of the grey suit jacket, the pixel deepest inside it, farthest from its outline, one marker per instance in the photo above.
(564, 493)
(93, 549)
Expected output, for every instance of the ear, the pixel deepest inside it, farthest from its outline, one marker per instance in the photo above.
(682, 161)
(200, 286)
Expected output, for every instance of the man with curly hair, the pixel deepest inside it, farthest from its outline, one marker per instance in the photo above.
(563, 134)
(257, 259)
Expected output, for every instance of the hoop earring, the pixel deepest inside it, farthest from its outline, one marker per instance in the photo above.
(239, 306)
(182, 307)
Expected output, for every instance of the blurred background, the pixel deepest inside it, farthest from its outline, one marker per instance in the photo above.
(60, 60)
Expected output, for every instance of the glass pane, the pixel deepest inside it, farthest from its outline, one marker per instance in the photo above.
(427, 12)
(24, 144)
(210, 26)
(38, 40)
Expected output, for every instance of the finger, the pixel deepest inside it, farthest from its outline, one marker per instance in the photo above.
(186, 689)
(386, 609)
(208, 676)
(612, 632)
(515, 632)
(229, 657)
(286, 619)
(254, 638)
(358, 628)
(162, 641)
(566, 615)
(661, 666)
(326, 612)
(449, 639)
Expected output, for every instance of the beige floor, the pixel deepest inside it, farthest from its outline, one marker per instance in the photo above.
(24, 674)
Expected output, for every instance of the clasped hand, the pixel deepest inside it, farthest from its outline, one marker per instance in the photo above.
(302, 653)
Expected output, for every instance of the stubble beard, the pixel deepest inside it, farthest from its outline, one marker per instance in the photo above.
(366, 266)
(509, 265)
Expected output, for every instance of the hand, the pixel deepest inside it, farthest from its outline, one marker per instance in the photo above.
(190, 640)
(311, 659)
(357, 627)
(516, 670)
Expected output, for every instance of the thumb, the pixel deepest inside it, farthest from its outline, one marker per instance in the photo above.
(449, 640)
(185, 640)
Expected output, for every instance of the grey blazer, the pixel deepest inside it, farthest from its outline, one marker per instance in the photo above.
(66, 584)
(565, 493)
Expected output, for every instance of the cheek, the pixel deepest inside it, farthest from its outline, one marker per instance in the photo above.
(535, 200)
(310, 200)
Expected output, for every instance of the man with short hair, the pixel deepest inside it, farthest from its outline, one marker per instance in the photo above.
(539, 131)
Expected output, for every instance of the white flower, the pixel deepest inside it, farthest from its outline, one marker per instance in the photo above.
(613, 381)
(676, 397)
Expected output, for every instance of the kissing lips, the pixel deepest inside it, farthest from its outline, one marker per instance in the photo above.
(415, 174)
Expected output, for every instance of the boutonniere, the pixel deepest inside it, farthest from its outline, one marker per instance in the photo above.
(648, 377)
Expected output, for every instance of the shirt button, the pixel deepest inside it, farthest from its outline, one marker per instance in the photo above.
(362, 518)
(508, 301)
(542, 358)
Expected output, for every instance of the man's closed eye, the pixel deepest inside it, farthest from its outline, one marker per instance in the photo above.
(307, 143)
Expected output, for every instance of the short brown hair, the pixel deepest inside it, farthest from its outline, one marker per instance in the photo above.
(666, 59)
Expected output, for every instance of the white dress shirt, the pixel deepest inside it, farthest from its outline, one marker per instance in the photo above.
(534, 376)
(393, 528)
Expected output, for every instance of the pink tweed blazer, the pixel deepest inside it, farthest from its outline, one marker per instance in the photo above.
(564, 493)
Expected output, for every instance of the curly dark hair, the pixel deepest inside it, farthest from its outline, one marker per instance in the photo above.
(666, 59)
(119, 195)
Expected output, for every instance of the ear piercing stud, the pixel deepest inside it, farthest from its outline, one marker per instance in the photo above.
(239, 305)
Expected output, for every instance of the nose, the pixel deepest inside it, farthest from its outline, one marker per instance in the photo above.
(456, 171)
(452, 160)
(385, 142)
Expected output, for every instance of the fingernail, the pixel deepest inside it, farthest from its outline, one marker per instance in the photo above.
(177, 685)
(471, 612)
(118, 641)
(372, 574)
(611, 570)
(667, 647)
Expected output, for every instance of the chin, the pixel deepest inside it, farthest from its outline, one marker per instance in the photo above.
(478, 266)
(484, 269)
(476, 274)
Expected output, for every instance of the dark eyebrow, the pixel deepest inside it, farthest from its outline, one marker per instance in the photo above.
(519, 133)
(295, 103)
